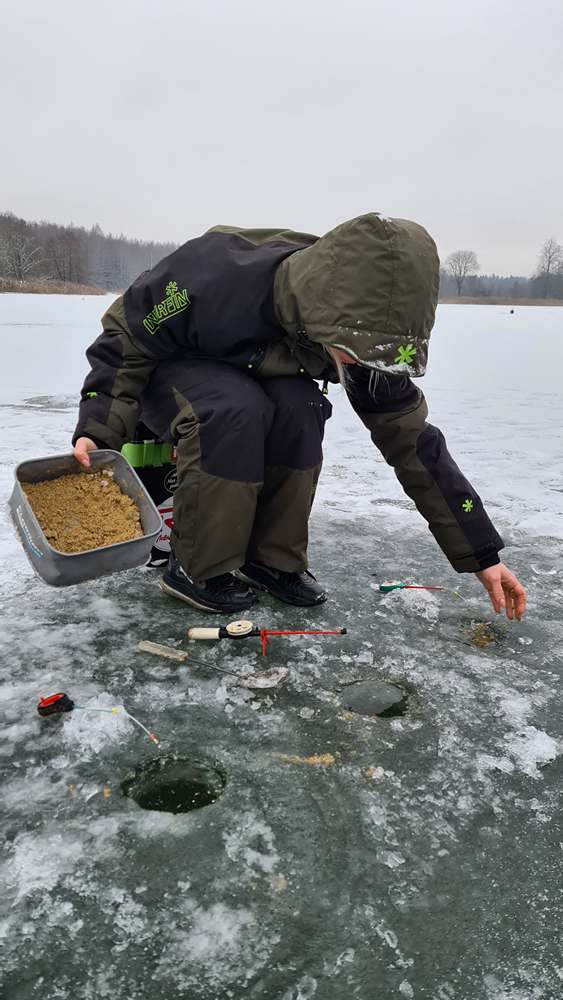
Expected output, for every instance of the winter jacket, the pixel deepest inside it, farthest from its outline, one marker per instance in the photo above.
(269, 302)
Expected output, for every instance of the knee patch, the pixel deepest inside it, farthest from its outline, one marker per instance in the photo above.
(232, 433)
(298, 429)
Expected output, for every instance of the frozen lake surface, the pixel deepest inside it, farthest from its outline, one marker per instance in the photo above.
(420, 857)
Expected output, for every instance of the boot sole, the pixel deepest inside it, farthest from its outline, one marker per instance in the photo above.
(226, 610)
(280, 597)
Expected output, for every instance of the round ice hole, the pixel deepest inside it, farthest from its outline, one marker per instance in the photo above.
(374, 698)
(175, 784)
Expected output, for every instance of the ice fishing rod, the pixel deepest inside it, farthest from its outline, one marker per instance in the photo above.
(56, 704)
(243, 629)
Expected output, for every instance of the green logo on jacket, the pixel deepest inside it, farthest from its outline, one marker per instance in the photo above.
(176, 302)
(405, 355)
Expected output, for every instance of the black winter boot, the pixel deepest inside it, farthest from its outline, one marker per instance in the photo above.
(301, 589)
(219, 594)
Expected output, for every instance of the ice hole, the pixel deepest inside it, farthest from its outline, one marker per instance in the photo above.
(175, 784)
(375, 698)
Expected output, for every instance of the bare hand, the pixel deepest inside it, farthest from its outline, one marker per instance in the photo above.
(504, 589)
(81, 449)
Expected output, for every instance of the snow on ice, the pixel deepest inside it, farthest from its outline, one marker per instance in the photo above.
(441, 826)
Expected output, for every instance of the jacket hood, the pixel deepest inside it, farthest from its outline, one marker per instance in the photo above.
(368, 287)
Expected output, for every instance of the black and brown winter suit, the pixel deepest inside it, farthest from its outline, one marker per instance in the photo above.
(217, 348)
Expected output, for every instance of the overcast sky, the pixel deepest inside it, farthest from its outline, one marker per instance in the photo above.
(161, 119)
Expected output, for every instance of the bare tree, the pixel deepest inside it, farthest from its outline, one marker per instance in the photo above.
(18, 255)
(550, 263)
(460, 264)
(47, 251)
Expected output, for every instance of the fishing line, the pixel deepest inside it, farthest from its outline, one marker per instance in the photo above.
(386, 588)
(57, 704)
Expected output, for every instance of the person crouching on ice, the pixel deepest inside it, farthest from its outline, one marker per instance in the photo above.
(219, 347)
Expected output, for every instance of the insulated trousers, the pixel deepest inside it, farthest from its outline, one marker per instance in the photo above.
(249, 454)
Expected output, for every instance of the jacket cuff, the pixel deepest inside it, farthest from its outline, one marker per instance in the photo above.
(83, 434)
(491, 560)
(93, 429)
(477, 561)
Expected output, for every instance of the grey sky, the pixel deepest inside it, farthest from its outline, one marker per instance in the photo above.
(162, 119)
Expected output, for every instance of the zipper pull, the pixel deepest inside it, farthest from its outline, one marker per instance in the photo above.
(324, 389)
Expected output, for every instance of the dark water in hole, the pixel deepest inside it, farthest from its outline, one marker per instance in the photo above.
(375, 698)
(175, 784)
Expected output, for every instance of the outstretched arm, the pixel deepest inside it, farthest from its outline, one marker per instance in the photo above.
(395, 411)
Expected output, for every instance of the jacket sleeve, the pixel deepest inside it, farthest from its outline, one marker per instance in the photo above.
(120, 369)
(395, 411)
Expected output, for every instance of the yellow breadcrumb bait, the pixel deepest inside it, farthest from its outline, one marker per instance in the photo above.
(84, 511)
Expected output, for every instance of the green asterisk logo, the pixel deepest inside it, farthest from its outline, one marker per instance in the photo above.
(171, 288)
(405, 355)
(467, 506)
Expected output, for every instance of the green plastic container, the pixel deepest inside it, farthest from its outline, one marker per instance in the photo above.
(155, 464)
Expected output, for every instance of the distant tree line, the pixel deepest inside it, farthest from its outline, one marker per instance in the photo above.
(45, 252)
(460, 276)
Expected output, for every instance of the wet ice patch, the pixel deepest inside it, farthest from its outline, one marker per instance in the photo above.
(524, 746)
(516, 708)
(345, 958)
(221, 943)
(5, 926)
(17, 697)
(215, 933)
(420, 602)
(303, 990)
(252, 843)
(531, 748)
(392, 859)
(30, 790)
(52, 914)
(544, 524)
(496, 990)
(19, 731)
(87, 733)
(107, 611)
(39, 862)
(486, 762)
(378, 812)
(153, 824)
(406, 990)
(130, 918)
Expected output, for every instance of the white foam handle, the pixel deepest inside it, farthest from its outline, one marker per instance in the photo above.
(203, 633)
